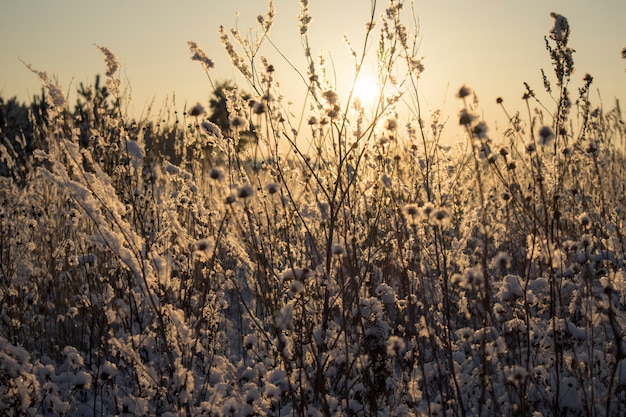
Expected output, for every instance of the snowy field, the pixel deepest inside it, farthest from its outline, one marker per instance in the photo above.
(340, 260)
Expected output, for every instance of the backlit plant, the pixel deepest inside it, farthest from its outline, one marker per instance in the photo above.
(345, 261)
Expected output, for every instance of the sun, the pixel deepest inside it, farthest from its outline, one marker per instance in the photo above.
(366, 90)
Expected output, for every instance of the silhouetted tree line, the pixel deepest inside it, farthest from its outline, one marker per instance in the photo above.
(22, 125)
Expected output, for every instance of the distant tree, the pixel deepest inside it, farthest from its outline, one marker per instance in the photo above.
(93, 104)
(217, 105)
(18, 122)
(218, 111)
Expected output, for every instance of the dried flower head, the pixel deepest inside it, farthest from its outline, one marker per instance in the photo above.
(465, 117)
(330, 96)
(250, 341)
(55, 97)
(480, 130)
(199, 55)
(466, 334)
(333, 112)
(502, 261)
(415, 65)
(516, 374)
(411, 214)
(440, 217)
(560, 28)
(272, 188)
(304, 18)
(546, 135)
(216, 174)
(338, 250)
(245, 191)
(585, 220)
(296, 287)
(238, 123)
(395, 345)
(427, 210)
(391, 124)
(197, 110)
(238, 61)
(464, 91)
(112, 63)
(258, 107)
(204, 249)
(267, 20)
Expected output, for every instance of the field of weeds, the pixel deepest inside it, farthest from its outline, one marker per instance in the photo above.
(347, 261)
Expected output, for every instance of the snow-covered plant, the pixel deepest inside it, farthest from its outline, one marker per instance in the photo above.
(345, 261)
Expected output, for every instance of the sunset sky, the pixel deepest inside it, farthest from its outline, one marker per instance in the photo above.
(493, 46)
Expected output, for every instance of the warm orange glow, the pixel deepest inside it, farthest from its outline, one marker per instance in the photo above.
(366, 90)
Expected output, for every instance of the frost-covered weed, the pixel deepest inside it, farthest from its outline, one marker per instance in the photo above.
(350, 263)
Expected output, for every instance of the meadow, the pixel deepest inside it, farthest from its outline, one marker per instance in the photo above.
(343, 261)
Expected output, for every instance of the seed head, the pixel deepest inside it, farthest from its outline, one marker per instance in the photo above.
(546, 135)
(204, 248)
(464, 91)
(238, 123)
(391, 124)
(411, 214)
(395, 345)
(480, 130)
(502, 261)
(585, 220)
(259, 107)
(427, 210)
(216, 174)
(245, 191)
(338, 250)
(330, 96)
(196, 110)
(272, 188)
(199, 55)
(296, 286)
(440, 217)
(465, 118)
(560, 28)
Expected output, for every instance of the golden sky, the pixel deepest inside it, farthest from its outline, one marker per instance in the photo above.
(492, 46)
